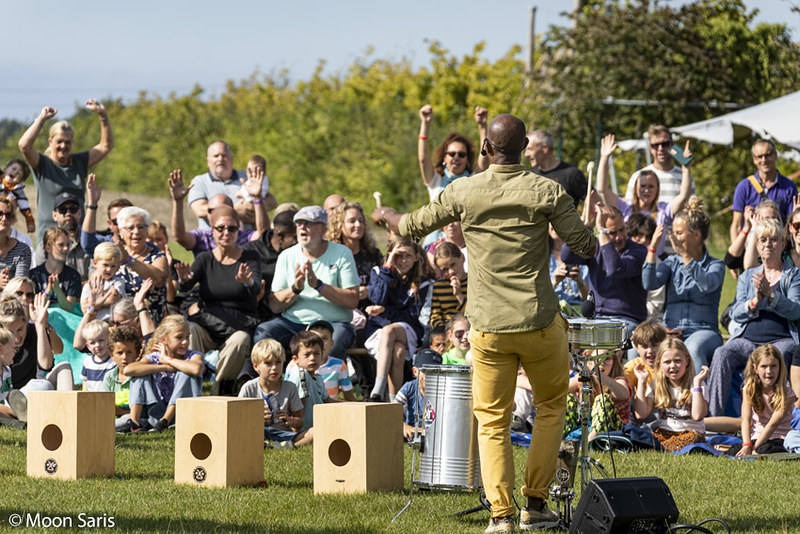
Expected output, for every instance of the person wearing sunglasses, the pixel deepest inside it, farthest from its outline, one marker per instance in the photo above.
(669, 175)
(58, 169)
(15, 256)
(765, 183)
(766, 310)
(67, 215)
(142, 260)
(229, 280)
(541, 152)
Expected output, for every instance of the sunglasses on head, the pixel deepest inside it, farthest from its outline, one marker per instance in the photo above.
(63, 210)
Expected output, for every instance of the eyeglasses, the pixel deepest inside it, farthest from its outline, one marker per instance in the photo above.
(458, 153)
(123, 323)
(768, 239)
(113, 221)
(460, 333)
(221, 229)
(6, 214)
(63, 210)
(26, 294)
(765, 155)
(795, 226)
(140, 227)
(305, 223)
(662, 144)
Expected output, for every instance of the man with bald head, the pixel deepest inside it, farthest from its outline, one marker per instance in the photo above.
(504, 213)
(222, 178)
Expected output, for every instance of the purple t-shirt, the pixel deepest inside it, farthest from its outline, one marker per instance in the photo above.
(165, 382)
(782, 193)
(205, 242)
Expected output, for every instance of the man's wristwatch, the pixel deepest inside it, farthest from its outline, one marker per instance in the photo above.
(318, 284)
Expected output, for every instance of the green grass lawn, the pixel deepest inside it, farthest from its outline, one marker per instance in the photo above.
(751, 496)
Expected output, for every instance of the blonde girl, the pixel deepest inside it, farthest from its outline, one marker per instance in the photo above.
(676, 395)
(766, 403)
(168, 371)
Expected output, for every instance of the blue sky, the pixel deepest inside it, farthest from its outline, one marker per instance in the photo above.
(59, 53)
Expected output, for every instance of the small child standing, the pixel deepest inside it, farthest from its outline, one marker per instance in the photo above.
(334, 371)
(412, 393)
(306, 353)
(14, 176)
(168, 372)
(98, 300)
(98, 362)
(449, 293)
(766, 404)
(280, 427)
(679, 400)
(125, 344)
(457, 335)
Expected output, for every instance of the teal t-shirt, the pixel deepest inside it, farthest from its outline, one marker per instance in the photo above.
(311, 388)
(336, 267)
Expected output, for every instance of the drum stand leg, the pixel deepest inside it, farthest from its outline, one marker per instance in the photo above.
(483, 506)
(587, 464)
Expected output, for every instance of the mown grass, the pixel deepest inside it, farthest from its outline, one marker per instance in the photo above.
(751, 496)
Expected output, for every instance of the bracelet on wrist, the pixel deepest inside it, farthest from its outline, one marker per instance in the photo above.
(90, 309)
(650, 249)
(748, 444)
(129, 260)
(248, 285)
(423, 137)
(140, 310)
(319, 286)
(90, 206)
(697, 390)
(743, 232)
(296, 290)
(257, 202)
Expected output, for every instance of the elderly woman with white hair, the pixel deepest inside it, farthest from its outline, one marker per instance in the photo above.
(766, 310)
(142, 260)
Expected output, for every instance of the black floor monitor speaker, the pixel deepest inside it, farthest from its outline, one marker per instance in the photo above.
(623, 505)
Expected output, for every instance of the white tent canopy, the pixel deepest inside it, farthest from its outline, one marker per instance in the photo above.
(776, 120)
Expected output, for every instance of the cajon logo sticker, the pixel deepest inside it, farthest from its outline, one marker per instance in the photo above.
(199, 474)
(50, 466)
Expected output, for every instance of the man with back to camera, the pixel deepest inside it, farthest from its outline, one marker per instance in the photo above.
(222, 178)
(504, 213)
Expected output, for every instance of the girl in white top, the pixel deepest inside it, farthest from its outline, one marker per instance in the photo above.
(766, 403)
(679, 400)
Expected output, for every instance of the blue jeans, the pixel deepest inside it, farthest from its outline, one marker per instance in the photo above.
(144, 392)
(701, 345)
(282, 330)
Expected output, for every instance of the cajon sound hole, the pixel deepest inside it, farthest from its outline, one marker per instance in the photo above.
(51, 437)
(339, 452)
(200, 446)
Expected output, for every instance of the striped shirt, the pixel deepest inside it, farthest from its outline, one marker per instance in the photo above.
(444, 304)
(94, 372)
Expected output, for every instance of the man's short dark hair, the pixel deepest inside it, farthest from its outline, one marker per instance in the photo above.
(285, 219)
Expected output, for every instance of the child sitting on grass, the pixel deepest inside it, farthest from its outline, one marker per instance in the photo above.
(677, 399)
(766, 404)
(168, 372)
(306, 354)
(6, 359)
(457, 334)
(125, 345)
(412, 392)
(334, 372)
(97, 363)
(646, 338)
(278, 394)
(449, 293)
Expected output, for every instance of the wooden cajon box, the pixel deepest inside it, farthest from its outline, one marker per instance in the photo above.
(70, 434)
(358, 447)
(219, 441)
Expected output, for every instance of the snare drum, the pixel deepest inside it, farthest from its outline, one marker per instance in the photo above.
(449, 460)
(596, 334)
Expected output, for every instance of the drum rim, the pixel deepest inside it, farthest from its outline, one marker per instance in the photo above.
(447, 368)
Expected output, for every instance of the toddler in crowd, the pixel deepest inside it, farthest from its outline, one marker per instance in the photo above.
(334, 371)
(449, 293)
(307, 350)
(14, 176)
(412, 393)
(106, 287)
(125, 345)
(457, 332)
(168, 372)
(97, 363)
(283, 409)
(766, 404)
(678, 400)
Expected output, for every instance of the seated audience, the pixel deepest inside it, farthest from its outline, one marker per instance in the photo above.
(58, 281)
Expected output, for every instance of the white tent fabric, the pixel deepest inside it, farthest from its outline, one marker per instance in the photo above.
(775, 119)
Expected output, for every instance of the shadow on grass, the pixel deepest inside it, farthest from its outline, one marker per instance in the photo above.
(124, 523)
(760, 523)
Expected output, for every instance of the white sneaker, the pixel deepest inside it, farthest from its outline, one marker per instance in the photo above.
(500, 524)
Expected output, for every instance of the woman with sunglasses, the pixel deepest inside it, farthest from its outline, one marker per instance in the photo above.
(15, 256)
(230, 282)
(58, 169)
(646, 191)
(766, 310)
(453, 158)
(142, 260)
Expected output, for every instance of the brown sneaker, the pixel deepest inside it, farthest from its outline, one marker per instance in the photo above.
(532, 519)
